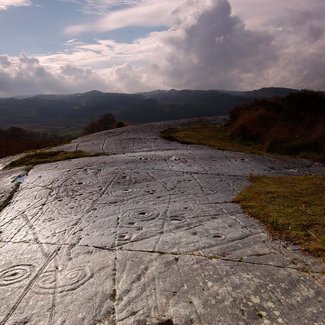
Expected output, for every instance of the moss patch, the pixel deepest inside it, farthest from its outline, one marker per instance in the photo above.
(45, 157)
(292, 208)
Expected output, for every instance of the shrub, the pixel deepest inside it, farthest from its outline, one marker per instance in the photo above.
(105, 122)
(294, 124)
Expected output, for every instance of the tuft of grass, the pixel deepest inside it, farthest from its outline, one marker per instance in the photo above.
(291, 207)
(45, 157)
(210, 135)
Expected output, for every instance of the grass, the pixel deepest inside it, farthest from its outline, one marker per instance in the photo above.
(290, 126)
(291, 207)
(293, 125)
(70, 133)
(45, 157)
(210, 135)
(219, 137)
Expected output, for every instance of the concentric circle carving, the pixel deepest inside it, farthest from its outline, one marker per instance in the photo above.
(15, 274)
(141, 215)
(62, 281)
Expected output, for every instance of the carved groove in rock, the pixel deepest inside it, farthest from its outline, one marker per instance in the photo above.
(62, 281)
(141, 214)
(15, 274)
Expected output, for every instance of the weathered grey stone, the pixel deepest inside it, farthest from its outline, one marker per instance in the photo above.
(149, 235)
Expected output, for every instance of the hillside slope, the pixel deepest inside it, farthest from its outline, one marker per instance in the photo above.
(292, 125)
(75, 111)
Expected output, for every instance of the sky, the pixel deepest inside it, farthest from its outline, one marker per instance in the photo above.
(69, 46)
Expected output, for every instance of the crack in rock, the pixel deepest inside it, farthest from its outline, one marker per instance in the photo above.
(148, 235)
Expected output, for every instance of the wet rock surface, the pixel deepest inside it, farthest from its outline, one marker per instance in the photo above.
(149, 235)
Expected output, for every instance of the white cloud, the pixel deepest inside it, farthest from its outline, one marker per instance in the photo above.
(205, 45)
(153, 13)
(101, 7)
(6, 4)
(25, 75)
(297, 27)
(266, 13)
(217, 51)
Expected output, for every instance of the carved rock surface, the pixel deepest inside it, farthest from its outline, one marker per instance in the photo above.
(148, 235)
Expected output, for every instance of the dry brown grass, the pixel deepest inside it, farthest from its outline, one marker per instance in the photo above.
(292, 208)
(210, 135)
(293, 125)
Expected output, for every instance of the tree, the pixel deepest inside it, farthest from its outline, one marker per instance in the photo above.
(105, 122)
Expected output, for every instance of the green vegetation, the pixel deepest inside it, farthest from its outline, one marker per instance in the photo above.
(293, 125)
(45, 157)
(292, 208)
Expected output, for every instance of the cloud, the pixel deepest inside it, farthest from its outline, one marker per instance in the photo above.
(286, 20)
(101, 7)
(214, 44)
(207, 44)
(264, 13)
(153, 13)
(6, 4)
(25, 75)
(4, 61)
(204, 47)
(298, 29)
(217, 51)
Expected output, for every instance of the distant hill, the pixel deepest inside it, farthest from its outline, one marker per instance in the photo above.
(264, 92)
(75, 111)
